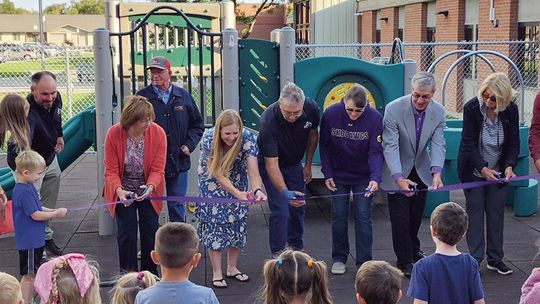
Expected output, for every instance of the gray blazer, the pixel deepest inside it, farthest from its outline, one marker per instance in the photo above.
(399, 141)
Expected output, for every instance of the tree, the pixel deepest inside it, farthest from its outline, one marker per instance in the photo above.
(88, 7)
(56, 9)
(82, 7)
(7, 7)
(247, 20)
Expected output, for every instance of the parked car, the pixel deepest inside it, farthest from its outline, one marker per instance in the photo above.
(13, 51)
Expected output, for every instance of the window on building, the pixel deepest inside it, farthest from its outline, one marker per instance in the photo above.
(400, 34)
(527, 51)
(376, 52)
(17, 36)
(428, 55)
(302, 13)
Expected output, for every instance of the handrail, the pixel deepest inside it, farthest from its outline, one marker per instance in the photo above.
(188, 21)
(432, 66)
(397, 45)
(510, 62)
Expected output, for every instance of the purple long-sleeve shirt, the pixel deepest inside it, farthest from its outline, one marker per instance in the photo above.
(351, 151)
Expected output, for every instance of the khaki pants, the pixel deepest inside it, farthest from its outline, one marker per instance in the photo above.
(48, 187)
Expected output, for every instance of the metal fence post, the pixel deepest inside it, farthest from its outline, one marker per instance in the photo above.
(68, 84)
(231, 91)
(103, 88)
(228, 18)
(287, 55)
(113, 25)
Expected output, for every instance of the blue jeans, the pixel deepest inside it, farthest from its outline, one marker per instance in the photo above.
(127, 224)
(286, 222)
(177, 186)
(361, 206)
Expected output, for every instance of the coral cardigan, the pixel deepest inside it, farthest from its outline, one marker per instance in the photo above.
(155, 150)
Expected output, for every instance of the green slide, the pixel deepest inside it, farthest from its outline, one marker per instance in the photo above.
(79, 135)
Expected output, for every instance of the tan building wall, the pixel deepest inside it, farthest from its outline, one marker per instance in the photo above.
(333, 21)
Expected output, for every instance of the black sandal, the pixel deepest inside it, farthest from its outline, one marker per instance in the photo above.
(222, 281)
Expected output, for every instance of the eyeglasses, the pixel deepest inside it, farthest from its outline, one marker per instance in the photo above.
(290, 114)
(418, 96)
(359, 110)
(488, 97)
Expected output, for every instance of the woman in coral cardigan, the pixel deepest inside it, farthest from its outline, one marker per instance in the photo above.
(135, 152)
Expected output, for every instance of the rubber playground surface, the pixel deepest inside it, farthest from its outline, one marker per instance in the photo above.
(78, 232)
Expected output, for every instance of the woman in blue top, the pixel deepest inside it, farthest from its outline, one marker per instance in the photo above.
(351, 159)
(228, 151)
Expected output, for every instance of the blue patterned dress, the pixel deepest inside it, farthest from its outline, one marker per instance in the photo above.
(224, 225)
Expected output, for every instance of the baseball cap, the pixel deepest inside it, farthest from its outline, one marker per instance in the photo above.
(160, 63)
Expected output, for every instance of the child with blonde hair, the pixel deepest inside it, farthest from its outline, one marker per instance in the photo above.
(128, 286)
(29, 218)
(294, 277)
(10, 290)
(68, 279)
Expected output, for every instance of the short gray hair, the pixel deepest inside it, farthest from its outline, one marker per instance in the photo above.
(291, 93)
(423, 80)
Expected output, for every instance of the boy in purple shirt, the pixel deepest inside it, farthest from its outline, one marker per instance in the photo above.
(447, 276)
(351, 159)
(29, 218)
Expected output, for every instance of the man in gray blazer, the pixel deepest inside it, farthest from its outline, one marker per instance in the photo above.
(414, 151)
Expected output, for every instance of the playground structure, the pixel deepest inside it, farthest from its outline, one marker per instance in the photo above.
(266, 66)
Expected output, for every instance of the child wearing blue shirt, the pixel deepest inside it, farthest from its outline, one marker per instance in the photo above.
(177, 252)
(29, 218)
(447, 276)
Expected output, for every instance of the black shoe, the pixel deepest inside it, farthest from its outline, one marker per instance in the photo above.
(51, 247)
(407, 270)
(419, 255)
(500, 267)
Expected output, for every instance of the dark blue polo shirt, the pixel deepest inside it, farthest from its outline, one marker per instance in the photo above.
(285, 140)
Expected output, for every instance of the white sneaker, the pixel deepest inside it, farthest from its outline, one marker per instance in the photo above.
(338, 268)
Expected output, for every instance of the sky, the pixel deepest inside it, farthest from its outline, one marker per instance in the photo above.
(33, 5)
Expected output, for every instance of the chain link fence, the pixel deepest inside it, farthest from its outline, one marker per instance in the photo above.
(464, 79)
(73, 67)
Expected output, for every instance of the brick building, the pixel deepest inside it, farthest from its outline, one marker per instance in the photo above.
(447, 23)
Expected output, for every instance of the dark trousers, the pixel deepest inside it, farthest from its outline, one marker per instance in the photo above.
(361, 208)
(177, 186)
(406, 217)
(489, 200)
(286, 223)
(126, 221)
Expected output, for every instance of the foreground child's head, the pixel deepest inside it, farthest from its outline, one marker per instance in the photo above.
(29, 166)
(176, 246)
(378, 282)
(128, 286)
(449, 222)
(10, 290)
(68, 279)
(294, 274)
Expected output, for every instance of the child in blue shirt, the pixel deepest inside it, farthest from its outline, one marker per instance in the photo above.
(177, 252)
(447, 276)
(29, 218)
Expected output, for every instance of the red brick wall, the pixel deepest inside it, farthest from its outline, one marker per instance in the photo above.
(367, 28)
(268, 20)
(389, 29)
(415, 31)
(449, 28)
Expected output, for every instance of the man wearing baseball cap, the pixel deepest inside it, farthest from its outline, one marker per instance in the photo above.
(178, 115)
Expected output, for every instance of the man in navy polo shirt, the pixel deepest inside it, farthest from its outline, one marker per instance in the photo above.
(178, 115)
(288, 130)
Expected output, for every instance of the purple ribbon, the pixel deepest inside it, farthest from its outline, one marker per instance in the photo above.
(220, 200)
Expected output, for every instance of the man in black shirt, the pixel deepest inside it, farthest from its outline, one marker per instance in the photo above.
(288, 130)
(46, 138)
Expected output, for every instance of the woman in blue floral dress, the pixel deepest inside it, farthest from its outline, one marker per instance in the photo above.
(228, 159)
